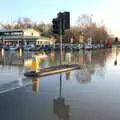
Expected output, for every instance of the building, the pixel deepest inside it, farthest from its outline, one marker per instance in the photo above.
(23, 36)
(45, 41)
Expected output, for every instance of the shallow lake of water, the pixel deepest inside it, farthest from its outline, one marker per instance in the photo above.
(91, 93)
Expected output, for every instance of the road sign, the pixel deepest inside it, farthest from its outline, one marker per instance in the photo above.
(81, 39)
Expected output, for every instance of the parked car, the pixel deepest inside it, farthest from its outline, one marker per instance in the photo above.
(36, 48)
(77, 47)
(88, 47)
(68, 48)
(47, 48)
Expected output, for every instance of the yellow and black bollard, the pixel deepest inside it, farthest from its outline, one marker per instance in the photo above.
(35, 63)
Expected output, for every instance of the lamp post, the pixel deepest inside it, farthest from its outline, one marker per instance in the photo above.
(61, 41)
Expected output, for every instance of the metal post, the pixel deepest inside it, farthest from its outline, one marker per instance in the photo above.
(60, 41)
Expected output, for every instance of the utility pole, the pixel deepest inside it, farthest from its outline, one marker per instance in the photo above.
(60, 24)
(60, 41)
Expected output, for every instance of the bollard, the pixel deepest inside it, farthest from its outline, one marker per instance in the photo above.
(3, 51)
(35, 63)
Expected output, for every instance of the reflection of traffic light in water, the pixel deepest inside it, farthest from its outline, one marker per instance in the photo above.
(60, 108)
(35, 85)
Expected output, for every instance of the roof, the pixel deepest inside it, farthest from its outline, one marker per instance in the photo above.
(11, 30)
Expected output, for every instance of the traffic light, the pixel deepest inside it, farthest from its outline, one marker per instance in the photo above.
(62, 20)
(67, 20)
(61, 23)
(56, 26)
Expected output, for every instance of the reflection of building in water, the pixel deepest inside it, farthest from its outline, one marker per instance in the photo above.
(35, 85)
(60, 108)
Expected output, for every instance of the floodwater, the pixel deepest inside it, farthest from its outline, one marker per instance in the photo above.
(90, 93)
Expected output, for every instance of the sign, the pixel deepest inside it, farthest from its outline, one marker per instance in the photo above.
(34, 63)
(81, 39)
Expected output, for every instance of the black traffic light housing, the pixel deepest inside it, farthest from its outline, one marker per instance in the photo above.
(56, 26)
(61, 23)
(67, 20)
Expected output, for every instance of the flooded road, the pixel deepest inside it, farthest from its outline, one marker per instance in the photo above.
(91, 93)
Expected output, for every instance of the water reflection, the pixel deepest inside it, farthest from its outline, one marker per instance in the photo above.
(68, 75)
(94, 62)
(116, 55)
(21, 82)
(83, 76)
(89, 57)
(59, 106)
(11, 59)
(35, 85)
(99, 100)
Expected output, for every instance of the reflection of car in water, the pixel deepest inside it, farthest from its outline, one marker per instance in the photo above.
(13, 48)
(5, 47)
(28, 47)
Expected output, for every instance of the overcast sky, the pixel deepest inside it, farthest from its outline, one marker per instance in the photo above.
(102, 11)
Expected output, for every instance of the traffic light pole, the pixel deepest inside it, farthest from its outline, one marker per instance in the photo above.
(60, 41)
